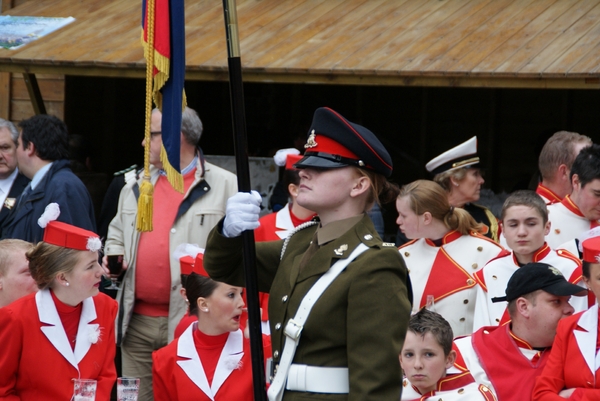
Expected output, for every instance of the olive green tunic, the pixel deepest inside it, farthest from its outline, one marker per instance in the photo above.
(359, 321)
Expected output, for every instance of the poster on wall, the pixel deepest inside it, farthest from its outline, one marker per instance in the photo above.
(17, 31)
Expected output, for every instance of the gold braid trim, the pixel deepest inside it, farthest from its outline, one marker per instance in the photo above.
(173, 176)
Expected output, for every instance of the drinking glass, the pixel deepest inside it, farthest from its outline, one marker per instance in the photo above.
(115, 266)
(84, 390)
(128, 388)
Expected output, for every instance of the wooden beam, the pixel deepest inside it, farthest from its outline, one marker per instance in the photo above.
(34, 93)
(5, 95)
(528, 82)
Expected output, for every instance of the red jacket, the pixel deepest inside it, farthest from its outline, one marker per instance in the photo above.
(178, 375)
(573, 362)
(37, 361)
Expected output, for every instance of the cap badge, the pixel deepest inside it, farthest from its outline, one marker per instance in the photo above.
(555, 270)
(340, 251)
(9, 202)
(310, 142)
(368, 237)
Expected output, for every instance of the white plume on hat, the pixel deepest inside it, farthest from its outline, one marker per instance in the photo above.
(281, 155)
(51, 213)
(187, 250)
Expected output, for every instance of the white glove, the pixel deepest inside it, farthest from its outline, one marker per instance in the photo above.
(241, 213)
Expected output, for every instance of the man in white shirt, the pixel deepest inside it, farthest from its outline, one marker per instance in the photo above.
(580, 211)
(12, 182)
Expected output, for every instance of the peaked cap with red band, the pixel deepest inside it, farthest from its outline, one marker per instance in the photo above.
(68, 236)
(591, 250)
(335, 142)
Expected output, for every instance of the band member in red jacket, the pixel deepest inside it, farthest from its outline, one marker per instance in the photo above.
(572, 370)
(66, 330)
(211, 359)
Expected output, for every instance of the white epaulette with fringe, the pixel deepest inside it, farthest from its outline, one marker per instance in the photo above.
(300, 227)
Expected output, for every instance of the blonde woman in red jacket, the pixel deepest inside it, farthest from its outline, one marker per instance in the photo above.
(211, 359)
(66, 330)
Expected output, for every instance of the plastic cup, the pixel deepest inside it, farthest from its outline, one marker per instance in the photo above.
(128, 388)
(84, 390)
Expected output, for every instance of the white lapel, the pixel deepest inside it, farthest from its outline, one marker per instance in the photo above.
(228, 361)
(283, 222)
(85, 330)
(192, 366)
(232, 353)
(55, 332)
(586, 338)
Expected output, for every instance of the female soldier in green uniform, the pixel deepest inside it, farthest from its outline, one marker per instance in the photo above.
(342, 341)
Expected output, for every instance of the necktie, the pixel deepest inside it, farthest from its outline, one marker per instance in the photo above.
(24, 196)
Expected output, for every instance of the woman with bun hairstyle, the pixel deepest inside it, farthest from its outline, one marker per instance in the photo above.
(211, 359)
(445, 252)
(330, 280)
(66, 330)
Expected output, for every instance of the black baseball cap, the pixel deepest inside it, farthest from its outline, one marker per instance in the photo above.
(539, 276)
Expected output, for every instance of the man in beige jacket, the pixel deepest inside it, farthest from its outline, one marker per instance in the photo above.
(150, 305)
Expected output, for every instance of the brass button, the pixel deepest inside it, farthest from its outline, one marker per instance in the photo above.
(462, 319)
(466, 301)
(497, 320)
(486, 332)
(470, 281)
(474, 265)
(276, 354)
(461, 390)
(406, 254)
(495, 278)
(277, 326)
(557, 230)
(480, 248)
(284, 298)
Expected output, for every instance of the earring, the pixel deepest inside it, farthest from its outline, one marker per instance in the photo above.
(67, 283)
(205, 310)
(456, 184)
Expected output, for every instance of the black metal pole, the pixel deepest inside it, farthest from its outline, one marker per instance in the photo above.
(240, 141)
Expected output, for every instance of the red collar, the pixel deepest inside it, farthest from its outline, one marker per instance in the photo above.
(519, 341)
(446, 239)
(568, 203)
(537, 256)
(547, 193)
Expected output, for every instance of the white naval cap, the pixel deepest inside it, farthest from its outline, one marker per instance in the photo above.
(462, 155)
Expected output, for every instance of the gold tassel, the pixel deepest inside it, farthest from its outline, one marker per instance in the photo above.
(173, 176)
(145, 205)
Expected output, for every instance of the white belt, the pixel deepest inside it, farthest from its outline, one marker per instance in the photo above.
(293, 328)
(316, 379)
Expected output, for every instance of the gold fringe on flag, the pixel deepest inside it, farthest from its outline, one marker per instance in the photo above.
(173, 176)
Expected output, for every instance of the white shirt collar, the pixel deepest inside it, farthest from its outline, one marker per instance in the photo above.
(6, 183)
(39, 175)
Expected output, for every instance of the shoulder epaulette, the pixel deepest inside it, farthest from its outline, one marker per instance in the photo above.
(126, 170)
(568, 255)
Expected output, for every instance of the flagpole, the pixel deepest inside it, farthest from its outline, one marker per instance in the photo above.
(236, 91)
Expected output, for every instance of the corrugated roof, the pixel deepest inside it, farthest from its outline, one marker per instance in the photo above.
(482, 43)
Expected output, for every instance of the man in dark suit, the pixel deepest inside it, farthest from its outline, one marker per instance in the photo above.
(43, 157)
(12, 182)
